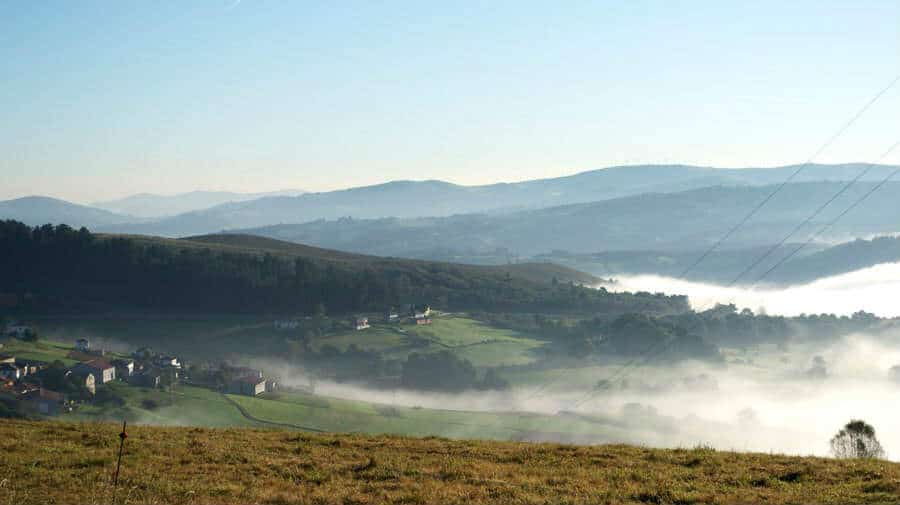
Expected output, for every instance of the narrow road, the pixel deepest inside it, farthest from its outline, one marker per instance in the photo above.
(255, 419)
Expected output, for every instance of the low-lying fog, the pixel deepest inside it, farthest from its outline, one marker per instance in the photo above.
(872, 289)
(789, 400)
(768, 400)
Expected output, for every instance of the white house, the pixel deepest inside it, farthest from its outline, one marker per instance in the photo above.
(248, 385)
(167, 362)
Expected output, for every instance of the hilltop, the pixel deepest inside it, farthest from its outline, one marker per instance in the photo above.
(38, 210)
(74, 463)
(63, 269)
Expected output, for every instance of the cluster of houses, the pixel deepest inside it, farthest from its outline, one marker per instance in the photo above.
(418, 315)
(20, 380)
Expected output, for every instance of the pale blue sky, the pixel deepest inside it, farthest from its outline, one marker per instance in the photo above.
(104, 99)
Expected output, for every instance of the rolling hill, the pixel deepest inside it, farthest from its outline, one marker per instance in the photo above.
(64, 270)
(225, 466)
(411, 199)
(38, 210)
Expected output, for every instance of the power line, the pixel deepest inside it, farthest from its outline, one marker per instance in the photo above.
(667, 343)
(784, 183)
(828, 226)
(800, 226)
(649, 352)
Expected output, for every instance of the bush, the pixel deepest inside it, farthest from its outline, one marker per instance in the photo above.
(106, 396)
(149, 404)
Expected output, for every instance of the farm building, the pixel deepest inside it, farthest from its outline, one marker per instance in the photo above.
(250, 386)
(124, 368)
(102, 370)
(360, 323)
(146, 379)
(167, 362)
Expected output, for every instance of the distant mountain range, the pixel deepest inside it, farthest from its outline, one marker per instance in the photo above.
(412, 199)
(683, 221)
(409, 199)
(147, 205)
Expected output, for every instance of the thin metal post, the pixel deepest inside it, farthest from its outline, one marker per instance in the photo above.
(122, 437)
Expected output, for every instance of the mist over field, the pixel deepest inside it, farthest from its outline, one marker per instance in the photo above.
(771, 400)
(871, 289)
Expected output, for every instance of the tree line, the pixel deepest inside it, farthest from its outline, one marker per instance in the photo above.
(61, 268)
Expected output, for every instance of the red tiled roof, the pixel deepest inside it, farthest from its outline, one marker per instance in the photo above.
(99, 363)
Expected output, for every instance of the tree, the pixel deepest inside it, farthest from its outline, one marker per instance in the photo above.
(894, 373)
(856, 440)
(30, 336)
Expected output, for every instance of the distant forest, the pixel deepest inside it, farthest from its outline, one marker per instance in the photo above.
(58, 268)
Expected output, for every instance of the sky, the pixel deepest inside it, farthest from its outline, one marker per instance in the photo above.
(99, 100)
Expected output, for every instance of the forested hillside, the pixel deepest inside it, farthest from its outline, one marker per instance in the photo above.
(60, 268)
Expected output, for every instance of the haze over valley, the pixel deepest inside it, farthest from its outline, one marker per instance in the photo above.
(429, 253)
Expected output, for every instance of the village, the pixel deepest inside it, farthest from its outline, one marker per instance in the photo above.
(51, 387)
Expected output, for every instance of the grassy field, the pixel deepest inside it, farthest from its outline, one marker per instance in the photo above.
(195, 406)
(483, 345)
(38, 351)
(48, 463)
(220, 337)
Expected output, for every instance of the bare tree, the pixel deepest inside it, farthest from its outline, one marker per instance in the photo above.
(856, 440)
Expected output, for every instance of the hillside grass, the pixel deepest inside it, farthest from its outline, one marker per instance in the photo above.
(37, 351)
(47, 463)
(222, 337)
(483, 345)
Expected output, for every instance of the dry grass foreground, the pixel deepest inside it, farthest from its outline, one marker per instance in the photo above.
(47, 462)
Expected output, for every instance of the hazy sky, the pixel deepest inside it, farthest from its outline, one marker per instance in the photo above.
(103, 99)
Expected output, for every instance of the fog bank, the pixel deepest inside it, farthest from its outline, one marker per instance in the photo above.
(765, 400)
(872, 289)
